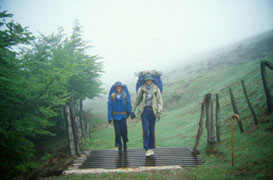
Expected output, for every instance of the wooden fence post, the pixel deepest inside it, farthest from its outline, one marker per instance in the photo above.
(269, 98)
(249, 104)
(235, 109)
(88, 130)
(74, 124)
(69, 132)
(79, 131)
(82, 121)
(200, 130)
(209, 120)
(218, 133)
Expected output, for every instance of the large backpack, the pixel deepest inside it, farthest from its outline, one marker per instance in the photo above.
(125, 89)
(156, 79)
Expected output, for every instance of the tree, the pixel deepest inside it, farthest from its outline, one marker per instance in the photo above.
(86, 69)
(15, 149)
(84, 81)
(38, 76)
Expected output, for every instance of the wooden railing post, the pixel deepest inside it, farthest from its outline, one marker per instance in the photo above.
(69, 130)
(200, 130)
(249, 104)
(235, 109)
(74, 123)
(209, 120)
(82, 121)
(88, 130)
(218, 133)
(79, 131)
(269, 98)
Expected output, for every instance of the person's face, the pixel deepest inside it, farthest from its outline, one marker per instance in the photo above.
(149, 82)
(119, 89)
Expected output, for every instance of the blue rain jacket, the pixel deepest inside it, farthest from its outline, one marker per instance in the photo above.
(119, 108)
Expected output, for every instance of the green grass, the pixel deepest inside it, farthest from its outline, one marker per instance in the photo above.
(178, 126)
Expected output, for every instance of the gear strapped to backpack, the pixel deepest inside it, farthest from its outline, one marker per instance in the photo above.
(156, 79)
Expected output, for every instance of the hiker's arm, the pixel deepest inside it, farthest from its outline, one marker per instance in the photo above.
(159, 101)
(137, 101)
(110, 110)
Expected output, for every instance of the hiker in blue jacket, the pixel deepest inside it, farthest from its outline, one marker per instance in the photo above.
(119, 108)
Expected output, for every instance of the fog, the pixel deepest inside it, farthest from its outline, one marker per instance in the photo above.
(146, 34)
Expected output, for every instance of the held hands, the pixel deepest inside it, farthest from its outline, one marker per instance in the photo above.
(132, 115)
(158, 116)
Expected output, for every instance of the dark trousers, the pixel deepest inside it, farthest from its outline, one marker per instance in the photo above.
(120, 131)
(148, 125)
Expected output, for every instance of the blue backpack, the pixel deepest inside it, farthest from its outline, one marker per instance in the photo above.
(156, 76)
(112, 92)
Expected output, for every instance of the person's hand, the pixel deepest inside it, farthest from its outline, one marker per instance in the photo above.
(133, 115)
(110, 121)
(158, 116)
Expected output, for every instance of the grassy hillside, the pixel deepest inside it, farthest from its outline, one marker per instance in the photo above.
(184, 90)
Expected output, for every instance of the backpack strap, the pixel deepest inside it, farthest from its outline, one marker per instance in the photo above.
(124, 97)
(114, 96)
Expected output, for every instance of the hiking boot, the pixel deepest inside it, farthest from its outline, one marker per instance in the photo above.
(148, 153)
(120, 150)
(151, 152)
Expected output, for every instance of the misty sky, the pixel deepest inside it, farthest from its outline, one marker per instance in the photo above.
(146, 34)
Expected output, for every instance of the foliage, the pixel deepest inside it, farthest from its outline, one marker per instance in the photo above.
(46, 157)
(37, 77)
(13, 129)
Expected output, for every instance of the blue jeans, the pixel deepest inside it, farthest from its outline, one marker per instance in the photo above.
(120, 131)
(148, 125)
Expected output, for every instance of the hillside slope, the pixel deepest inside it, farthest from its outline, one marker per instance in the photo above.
(184, 90)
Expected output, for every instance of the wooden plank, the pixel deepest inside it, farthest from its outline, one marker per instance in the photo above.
(134, 158)
(141, 160)
(139, 164)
